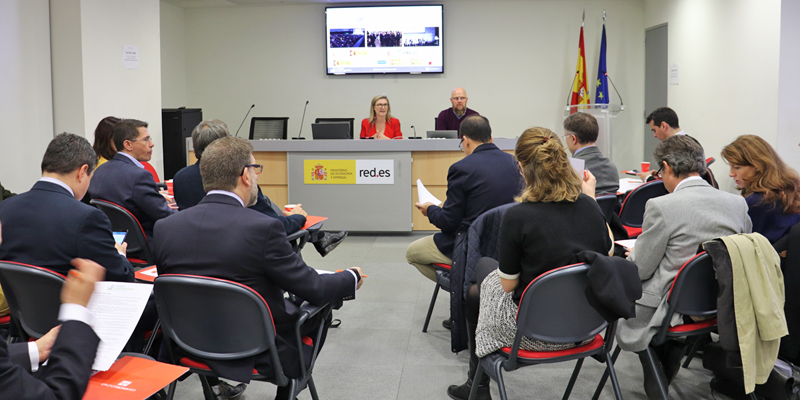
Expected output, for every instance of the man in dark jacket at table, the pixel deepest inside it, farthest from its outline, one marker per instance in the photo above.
(486, 178)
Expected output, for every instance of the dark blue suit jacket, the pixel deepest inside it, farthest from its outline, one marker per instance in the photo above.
(120, 181)
(188, 187)
(221, 239)
(47, 227)
(485, 179)
(66, 374)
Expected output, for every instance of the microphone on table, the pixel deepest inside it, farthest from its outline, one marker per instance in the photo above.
(299, 137)
(415, 133)
(245, 119)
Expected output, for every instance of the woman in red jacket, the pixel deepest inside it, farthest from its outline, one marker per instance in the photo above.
(380, 124)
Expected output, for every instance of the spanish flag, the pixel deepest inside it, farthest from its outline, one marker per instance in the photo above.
(580, 90)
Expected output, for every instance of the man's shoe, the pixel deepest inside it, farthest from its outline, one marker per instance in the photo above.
(446, 324)
(329, 241)
(461, 392)
(224, 391)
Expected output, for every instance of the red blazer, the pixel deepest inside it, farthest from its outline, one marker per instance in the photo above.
(392, 130)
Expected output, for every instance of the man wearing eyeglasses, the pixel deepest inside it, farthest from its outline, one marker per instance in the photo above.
(221, 237)
(450, 119)
(124, 181)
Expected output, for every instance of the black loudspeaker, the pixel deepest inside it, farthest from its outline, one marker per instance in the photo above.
(177, 124)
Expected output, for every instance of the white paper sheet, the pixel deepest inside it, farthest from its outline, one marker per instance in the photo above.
(627, 243)
(425, 196)
(626, 184)
(117, 308)
(578, 164)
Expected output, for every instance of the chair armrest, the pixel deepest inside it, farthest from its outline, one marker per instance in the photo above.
(307, 311)
(299, 234)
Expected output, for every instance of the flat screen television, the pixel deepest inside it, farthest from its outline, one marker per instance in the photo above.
(384, 40)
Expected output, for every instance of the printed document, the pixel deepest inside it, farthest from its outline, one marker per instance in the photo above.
(425, 196)
(117, 308)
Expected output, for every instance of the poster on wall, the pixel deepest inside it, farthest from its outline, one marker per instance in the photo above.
(348, 172)
(130, 57)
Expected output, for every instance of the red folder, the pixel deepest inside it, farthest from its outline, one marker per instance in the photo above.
(132, 378)
(146, 274)
(312, 220)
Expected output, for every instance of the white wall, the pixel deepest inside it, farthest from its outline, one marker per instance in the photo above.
(25, 91)
(110, 89)
(515, 59)
(728, 54)
(788, 100)
(173, 57)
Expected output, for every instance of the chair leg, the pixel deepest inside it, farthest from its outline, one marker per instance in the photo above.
(696, 346)
(613, 373)
(651, 363)
(473, 391)
(573, 378)
(171, 390)
(602, 383)
(501, 386)
(208, 393)
(152, 338)
(430, 308)
(312, 389)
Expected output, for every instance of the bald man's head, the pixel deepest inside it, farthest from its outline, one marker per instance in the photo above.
(459, 100)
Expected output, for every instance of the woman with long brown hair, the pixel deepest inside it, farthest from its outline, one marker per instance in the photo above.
(553, 222)
(103, 144)
(770, 187)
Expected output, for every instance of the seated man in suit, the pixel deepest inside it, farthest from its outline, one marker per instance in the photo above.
(674, 227)
(48, 226)
(69, 349)
(188, 187)
(663, 123)
(222, 238)
(486, 178)
(124, 181)
(580, 133)
(451, 118)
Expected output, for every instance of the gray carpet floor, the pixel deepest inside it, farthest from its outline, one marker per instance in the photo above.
(380, 352)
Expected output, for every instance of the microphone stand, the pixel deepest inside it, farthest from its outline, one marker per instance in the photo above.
(415, 133)
(245, 119)
(299, 137)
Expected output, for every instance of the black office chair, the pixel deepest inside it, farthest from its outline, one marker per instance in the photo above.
(217, 319)
(607, 202)
(268, 128)
(442, 282)
(122, 220)
(631, 214)
(693, 293)
(435, 122)
(34, 298)
(350, 121)
(553, 308)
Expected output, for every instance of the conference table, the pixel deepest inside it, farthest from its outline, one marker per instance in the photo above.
(360, 185)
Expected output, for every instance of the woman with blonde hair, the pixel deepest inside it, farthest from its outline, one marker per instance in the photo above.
(770, 187)
(380, 124)
(553, 222)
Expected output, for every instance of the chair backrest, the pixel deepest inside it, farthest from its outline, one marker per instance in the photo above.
(350, 121)
(632, 211)
(268, 127)
(215, 319)
(553, 307)
(33, 295)
(122, 220)
(152, 170)
(607, 203)
(695, 288)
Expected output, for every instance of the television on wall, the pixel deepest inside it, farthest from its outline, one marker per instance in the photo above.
(384, 40)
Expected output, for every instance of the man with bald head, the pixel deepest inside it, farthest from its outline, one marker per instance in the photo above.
(450, 119)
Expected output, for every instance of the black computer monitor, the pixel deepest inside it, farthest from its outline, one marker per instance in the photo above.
(338, 130)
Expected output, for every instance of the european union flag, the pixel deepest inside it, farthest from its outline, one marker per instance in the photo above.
(601, 95)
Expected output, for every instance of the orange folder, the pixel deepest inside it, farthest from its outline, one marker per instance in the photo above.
(132, 378)
(148, 274)
(312, 220)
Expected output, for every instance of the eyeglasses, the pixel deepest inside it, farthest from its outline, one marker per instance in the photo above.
(381, 105)
(146, 139)
(658, 173)
(458, 98)
(257, 168)
(461, 144)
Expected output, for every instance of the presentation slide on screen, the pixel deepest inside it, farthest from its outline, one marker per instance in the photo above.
(375, 40)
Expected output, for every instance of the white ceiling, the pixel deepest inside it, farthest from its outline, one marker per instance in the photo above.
(233, 3)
